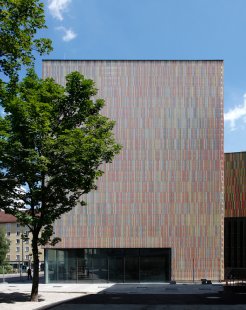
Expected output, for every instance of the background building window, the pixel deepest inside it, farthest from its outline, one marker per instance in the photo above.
(8, 233)
(18, 233)
(27, 249)
(17, 257)
(17, 249)
(17, 241)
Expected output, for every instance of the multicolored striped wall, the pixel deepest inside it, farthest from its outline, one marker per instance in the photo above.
(166, 188)
(235, 184)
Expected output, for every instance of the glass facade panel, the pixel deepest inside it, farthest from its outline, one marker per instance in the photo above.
(132, 269)
(235, 247)
(152, 269)
(116, 269)
(108, 265)
(99, 269)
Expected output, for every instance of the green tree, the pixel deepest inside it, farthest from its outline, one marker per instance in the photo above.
(19, 22)
(4, 246)
(53, 142)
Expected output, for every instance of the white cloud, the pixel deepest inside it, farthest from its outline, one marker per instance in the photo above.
(235, 114)
(58, 7)
(69, 34)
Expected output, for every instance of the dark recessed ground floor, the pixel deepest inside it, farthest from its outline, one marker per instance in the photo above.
(108, 265)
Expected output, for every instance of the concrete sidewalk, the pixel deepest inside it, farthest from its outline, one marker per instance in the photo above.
(17, 295)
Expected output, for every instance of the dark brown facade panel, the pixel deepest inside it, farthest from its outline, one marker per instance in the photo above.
(235, 184)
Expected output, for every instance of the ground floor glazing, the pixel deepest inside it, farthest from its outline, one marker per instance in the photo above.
(108, 265)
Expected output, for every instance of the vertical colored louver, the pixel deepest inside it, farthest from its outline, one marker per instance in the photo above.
(166, 188)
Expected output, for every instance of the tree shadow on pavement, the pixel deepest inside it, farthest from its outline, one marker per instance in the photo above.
(116, 295)
(11, 298)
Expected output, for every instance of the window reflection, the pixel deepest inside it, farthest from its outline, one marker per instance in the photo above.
(108, 265)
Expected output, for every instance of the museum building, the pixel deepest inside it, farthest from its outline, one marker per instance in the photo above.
(158, 213)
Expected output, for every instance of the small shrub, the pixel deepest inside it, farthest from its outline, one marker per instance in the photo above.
(7, 269)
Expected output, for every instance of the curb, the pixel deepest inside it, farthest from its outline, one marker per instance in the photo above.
(57, 303)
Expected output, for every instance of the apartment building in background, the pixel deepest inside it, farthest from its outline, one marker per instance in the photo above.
(20, 251)
(158, 213)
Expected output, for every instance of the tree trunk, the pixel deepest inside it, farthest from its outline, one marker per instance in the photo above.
(35, 278)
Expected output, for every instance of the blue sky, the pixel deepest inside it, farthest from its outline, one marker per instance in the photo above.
(159, 29)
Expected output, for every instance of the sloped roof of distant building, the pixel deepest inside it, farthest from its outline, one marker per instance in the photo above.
(7, 218)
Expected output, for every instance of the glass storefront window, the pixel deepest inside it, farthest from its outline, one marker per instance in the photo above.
(107, 265)
(132, 269)
(100, 266)
(116, 273)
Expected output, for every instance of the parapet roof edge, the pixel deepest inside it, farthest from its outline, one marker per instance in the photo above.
(132, 59)
(235, 152)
